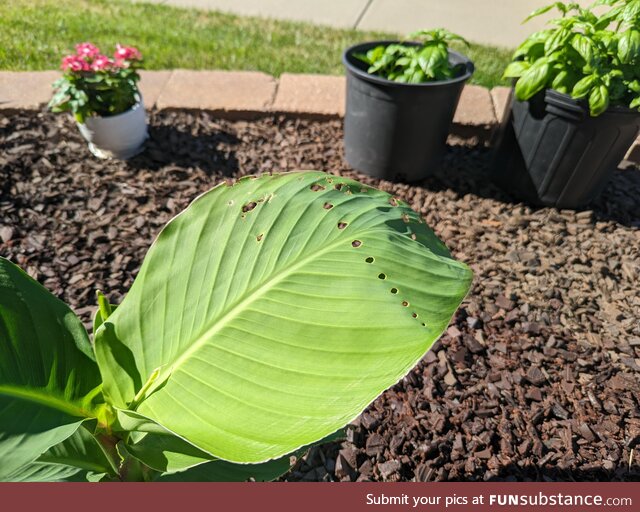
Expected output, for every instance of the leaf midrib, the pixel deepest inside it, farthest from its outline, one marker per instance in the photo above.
(253, 295)
(42, 397)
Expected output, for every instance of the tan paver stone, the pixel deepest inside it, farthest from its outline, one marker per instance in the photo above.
(474, 118)
(151, 85)
(242, 92)
(313, 95)
(501, 97)
(475, 107)
(26, 90)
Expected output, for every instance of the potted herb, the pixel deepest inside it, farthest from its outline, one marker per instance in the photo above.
(103, 96)
(401, 97)
(575, 112)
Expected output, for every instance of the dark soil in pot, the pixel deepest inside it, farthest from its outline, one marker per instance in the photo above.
(554, 153)
(398, 131)
(537, 377)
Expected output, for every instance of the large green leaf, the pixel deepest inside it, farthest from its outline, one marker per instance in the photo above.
(223, 471)
(47, 375)
(81, 450)
(46, 472)
(270, 313)
(169, 454)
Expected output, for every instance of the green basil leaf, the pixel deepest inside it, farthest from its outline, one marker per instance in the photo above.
(557, 40)
(564, 81)
(533, 80)
(629, 46)
(584, 46)
(545, 9)
(515, 69)
(584, 86)
(631, 12)
(431, 57)
(598, 100)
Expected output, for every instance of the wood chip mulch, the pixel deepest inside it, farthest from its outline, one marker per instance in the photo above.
(538, 375)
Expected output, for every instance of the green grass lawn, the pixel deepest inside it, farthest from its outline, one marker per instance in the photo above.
(35, 34)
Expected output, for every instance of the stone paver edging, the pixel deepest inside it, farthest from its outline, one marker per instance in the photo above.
(249, 94)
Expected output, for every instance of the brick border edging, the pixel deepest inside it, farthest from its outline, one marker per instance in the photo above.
(252, 94)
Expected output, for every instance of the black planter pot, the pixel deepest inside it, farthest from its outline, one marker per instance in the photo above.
(553, 153)
(397, 131)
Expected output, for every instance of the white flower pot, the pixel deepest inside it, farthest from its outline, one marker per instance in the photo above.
(121, 136)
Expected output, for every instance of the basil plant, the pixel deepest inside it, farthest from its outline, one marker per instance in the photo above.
(425, 61)
(586, 55)
(264, 318)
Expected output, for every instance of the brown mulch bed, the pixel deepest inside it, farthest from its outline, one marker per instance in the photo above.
(538, 376)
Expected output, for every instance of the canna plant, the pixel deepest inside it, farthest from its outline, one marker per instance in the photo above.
(264, 318)
(426, 61)
(586, 55)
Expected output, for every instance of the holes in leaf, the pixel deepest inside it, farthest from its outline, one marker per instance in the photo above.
(405, 303)
(338, 186)
(369, 260)
(393, 201)
(259, 237)
(382, 276)
(342, 225)
(414, 236)
(356, 243)
(316, 187)
(249, 206)
(405, 218)
(423, 324)
(327, 206)
(414, 315)
(394, 290)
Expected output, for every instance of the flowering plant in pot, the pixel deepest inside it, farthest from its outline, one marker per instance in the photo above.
(577, 97)
(102, 94)
(401, 97)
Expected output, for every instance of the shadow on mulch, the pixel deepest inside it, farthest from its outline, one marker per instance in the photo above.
(211, 151)
(618, 202)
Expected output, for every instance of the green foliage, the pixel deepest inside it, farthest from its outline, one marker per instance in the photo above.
(595, 57)
(264, 318)
(427, 62)
(49, 381)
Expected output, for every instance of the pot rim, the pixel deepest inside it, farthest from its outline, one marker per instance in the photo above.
(563, 100)
(566, 102)
(351, 68)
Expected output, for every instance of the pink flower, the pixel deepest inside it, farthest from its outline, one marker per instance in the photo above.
(74, 63)
(87, 50)
(101, 62)
(127, 53)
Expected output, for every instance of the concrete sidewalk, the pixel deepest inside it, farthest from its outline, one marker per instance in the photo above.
(495, 22)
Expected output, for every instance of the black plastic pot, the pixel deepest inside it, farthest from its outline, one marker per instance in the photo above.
(553, 153)
(397, 131)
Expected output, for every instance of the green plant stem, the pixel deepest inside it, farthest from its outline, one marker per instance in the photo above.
(108, 443)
